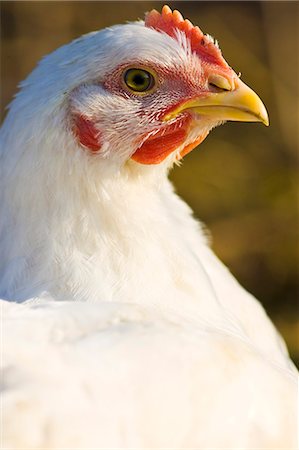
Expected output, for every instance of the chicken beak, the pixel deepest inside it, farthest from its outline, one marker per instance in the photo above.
(239, 104)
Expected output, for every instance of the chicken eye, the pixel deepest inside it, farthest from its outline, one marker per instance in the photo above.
(139, 80)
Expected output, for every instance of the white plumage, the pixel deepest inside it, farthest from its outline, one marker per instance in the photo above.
(121, 328)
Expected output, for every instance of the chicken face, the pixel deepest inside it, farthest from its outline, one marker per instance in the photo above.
(164, 88)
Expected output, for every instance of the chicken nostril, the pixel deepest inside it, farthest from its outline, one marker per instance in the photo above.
(220, 82)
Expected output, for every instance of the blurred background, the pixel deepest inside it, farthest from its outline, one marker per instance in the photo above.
(241, 182)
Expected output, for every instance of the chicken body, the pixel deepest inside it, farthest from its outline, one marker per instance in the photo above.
(161, 347)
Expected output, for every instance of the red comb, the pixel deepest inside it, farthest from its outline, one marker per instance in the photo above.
(170, 22)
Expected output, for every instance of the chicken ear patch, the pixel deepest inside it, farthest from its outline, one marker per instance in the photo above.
(170, 22)
(87, 134)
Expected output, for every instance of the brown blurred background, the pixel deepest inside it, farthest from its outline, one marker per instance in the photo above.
(241, 182)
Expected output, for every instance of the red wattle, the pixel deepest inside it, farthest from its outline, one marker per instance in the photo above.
(157, 147)
(194, 144)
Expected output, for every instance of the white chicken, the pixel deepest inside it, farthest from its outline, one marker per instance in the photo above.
(121, 328)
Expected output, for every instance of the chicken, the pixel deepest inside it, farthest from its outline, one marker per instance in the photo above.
(121, 328)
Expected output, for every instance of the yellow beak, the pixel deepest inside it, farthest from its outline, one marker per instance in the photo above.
(240, 104)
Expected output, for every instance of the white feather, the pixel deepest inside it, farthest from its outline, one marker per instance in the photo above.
(162, 347)
(114, 375)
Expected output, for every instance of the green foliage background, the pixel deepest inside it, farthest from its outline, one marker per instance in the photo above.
(242, 181)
